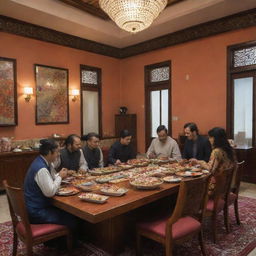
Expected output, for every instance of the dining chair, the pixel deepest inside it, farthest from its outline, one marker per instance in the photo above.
(235, 187)
(217, 201)
(184, 222)
(30, 234)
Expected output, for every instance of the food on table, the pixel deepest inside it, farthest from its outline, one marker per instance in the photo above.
(124, 166)
(105, 170)
(113, 190)
(138, 162)
(146, 182)
(88, 186)
(92, 197)
(66, 191)
(118, 180)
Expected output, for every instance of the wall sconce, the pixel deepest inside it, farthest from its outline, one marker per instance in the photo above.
(75, 93)
(28, 92)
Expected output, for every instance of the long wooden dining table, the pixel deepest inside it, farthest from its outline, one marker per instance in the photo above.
(110, 225)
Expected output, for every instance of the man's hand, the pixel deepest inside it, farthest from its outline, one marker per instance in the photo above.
(118, 162)
(193, 161)
(82, 171)
(71, 172)
(152, 155)
(63, 173)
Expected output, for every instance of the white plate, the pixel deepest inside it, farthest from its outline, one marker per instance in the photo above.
(119, 192)
(171, 179)
(93, 198)
(67, 193)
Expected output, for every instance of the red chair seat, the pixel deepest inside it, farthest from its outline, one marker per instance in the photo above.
(40, 229)
(231, 198)
(210, 205)
(180, 228)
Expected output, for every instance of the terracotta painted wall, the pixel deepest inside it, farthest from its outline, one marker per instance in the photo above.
(201, 98)
(28, 52)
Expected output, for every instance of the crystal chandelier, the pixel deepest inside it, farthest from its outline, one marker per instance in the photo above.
(133, 15)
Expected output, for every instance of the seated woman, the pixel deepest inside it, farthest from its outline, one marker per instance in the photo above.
(121, 151)
(92, 152)
(222, 156)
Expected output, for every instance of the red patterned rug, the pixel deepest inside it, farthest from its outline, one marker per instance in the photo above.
(239, 242)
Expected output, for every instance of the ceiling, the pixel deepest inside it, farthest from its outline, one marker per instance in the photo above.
(85, 22)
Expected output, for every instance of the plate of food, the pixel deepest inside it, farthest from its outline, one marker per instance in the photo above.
(160, 160)
(205, 171)
(189, 174)
(138, 162)
(88, 186)
(93, 198)
(171, 179)
(105, 170)
(124, 166)
(67, 191)
(118, 180)
(146, 182)
(79, 175)
(113, 190)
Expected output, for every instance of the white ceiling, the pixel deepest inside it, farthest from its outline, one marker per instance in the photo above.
(61, 17)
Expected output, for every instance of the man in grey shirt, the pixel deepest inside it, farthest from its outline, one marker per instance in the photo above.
(164, 146)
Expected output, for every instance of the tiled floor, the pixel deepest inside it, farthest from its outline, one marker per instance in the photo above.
(246, 189)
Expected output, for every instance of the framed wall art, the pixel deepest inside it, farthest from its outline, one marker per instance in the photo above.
(52, 104)
(8, 92)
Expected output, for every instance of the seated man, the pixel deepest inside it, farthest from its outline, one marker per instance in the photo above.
(163, 146)
(121, 151)
(41, 183)
(72, 157)
(92, 152)
(196, 146)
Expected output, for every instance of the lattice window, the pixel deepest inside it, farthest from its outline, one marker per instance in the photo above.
(245, 57)
(89, 77)
(159, 74)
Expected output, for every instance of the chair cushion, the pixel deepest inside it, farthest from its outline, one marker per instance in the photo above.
(180, 228)
(231, 198)
(40, 229)
(210, 205)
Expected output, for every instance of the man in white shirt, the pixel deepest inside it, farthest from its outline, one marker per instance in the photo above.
(164, 146)
(41, 183)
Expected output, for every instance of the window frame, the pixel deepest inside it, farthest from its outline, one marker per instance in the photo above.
(92, 87)
(236, 73)
(155, 86)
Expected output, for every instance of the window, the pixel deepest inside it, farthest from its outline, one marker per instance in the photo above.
(241, 94)
(157, 101)
(91, 99)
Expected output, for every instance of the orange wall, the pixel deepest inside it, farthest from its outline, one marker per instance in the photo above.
(28, 52)
(202, 98)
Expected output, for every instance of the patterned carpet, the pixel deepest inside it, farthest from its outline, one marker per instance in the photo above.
(239, 242)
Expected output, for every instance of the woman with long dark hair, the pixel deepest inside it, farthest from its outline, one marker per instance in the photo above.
(222, 156)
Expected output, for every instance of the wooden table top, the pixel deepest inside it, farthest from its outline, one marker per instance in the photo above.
(114, 206)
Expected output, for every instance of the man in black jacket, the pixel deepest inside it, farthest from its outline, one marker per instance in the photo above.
(196, 146)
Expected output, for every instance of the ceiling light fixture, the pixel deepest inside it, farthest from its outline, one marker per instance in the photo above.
(133, 15)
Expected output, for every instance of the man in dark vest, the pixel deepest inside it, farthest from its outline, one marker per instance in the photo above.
(92, 152)
(196, 146)
(41, 183)
(72, 157)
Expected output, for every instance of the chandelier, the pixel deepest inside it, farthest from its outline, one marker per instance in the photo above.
(133, 15)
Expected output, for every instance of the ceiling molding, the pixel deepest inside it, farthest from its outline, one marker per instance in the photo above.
(229, 23)
(25, 29)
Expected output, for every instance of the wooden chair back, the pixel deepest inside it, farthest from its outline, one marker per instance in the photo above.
(192, 199)
(237, 176)
(17, 208)
(223, 185)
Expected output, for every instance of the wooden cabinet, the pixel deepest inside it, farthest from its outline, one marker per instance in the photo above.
(14, 166)
(127, 122)
(247, 155)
